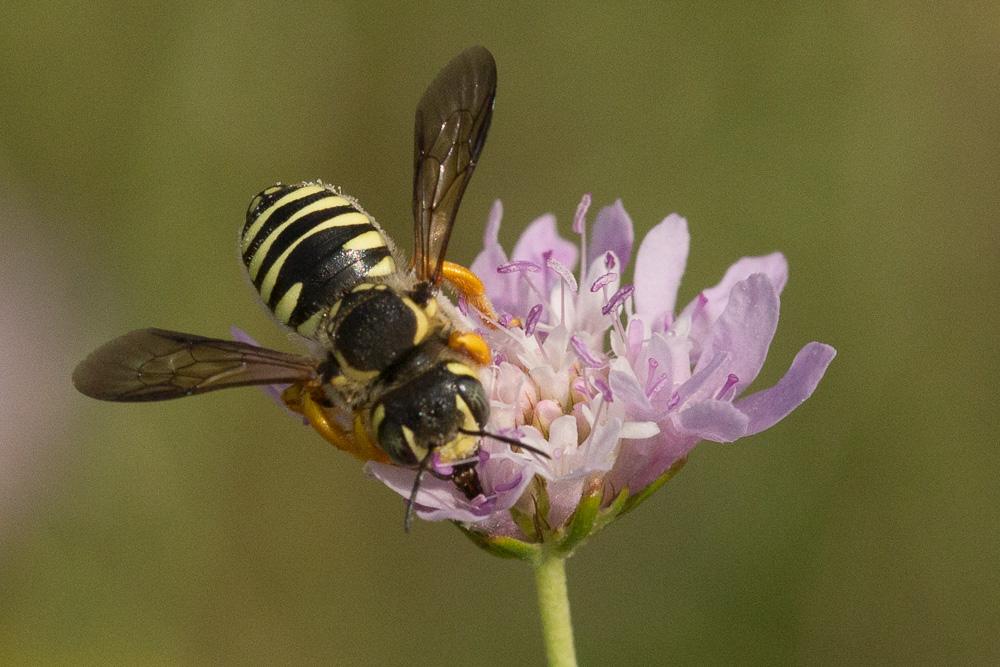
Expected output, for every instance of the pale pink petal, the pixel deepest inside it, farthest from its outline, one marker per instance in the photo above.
(612, 231)
(626, 388)
(640, 462)
(542, 237)
(659, 267)
(718, 421)
(499, 287)
(504, 479)
(766, 408)
(745, 329)
(564, 496)
(704, 383)
(774, 266)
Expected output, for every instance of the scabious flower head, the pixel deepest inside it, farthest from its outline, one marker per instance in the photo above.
(610, 379)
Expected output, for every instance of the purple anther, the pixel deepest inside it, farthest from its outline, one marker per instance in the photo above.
(505, 319)
(565, 274)
(581, 213)
(586, 356)
(609, 260)
(519, 266)
(617, 299)
(442, 469)
(725, 392)
(602, 281)
(534, 315)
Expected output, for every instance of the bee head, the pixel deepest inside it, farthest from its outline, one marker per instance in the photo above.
(437, 411)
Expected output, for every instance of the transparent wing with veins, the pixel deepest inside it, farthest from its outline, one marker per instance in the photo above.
(158, 365)
(452, 120)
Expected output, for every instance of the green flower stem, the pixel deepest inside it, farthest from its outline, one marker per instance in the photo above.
(553, 605)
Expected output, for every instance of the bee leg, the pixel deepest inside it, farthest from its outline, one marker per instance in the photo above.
(472, 344)
(471, 287)
(302, 401)
(366, 448)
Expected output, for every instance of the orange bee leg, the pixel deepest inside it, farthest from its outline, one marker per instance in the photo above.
(472, 344)
(367, 448)
(471, 287)
(301, 400)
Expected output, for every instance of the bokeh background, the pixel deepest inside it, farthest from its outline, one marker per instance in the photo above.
(861, 139)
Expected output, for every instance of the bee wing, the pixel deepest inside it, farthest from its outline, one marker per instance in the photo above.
(156, 365)
(451, 124)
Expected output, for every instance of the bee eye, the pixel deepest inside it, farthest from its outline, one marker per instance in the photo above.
(393, 441)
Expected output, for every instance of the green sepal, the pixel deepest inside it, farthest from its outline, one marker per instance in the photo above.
(502, 546)
(612, 511)
(526, 522)
(540, 496)
(534, 524)
(634, 501)
(581, 523)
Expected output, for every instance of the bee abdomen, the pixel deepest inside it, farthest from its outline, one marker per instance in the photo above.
(305, 246)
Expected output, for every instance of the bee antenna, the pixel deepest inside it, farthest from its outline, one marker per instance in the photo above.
(411, 503)
(513, 442)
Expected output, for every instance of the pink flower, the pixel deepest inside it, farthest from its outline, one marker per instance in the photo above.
(610, 379)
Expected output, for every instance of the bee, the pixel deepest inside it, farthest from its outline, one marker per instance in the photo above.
(393, 377)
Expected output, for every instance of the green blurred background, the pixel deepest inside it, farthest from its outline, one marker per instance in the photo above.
(863, 140)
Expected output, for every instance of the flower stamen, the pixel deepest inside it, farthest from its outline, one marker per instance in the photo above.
(727, 389)
(617, 299)
(602, 281)
(585, 355)
(533, 316)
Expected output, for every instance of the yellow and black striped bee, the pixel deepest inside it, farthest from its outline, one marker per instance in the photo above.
(392, 379)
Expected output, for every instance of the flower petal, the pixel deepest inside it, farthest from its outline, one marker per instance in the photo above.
(774, 266)
(718, 421)
(627, 390)
(504, 477)
(659, 267)
(766, 408)
(612, 231)
(499, 286)
(745, 329)
(541, 237)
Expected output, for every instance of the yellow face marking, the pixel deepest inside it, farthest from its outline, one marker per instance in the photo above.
(411, 441)
(365, 241)
(461, 446)
(283, 311)
(353, 218)
(262, 218)
(458, 368)
(363, 287)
